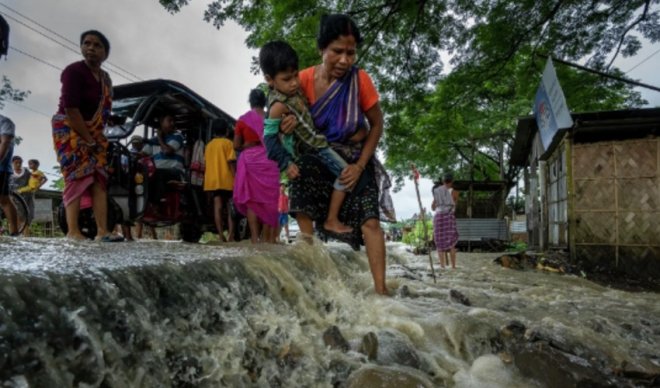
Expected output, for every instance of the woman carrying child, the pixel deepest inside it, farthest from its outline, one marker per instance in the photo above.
(343, 100)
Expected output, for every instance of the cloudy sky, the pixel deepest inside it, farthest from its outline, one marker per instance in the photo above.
(147, 43)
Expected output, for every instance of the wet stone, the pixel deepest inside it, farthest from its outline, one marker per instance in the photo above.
(555, 368)
(396, 349)
(458, 297)
(513, 329)
(369, 346)
(385, 377)
(333, 338)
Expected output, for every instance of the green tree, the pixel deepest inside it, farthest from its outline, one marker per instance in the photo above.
(57, 184)
(8, 93)
(463, 120)
(473, 136)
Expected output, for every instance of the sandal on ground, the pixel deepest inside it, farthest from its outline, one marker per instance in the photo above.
(110, 238)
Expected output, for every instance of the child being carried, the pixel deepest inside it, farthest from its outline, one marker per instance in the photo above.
(279, 63)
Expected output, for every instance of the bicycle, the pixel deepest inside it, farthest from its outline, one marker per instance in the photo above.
(22, 212)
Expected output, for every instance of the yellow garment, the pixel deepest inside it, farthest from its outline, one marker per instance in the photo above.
(217, 156)
(34, 183)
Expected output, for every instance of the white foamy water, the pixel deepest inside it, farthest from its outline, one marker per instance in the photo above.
(172, 314)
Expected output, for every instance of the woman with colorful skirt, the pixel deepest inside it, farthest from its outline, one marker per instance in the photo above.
(81, 147)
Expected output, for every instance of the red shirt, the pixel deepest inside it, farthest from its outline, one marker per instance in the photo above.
(244, 131)
(283, 203)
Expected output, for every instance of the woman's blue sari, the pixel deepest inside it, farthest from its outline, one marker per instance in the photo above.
(338, 115)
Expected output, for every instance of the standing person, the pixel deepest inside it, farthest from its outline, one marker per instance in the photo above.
(279, 63)
(20, 176)
(81, 147)
(22, 182)
(138, 152)
(445, 233)
(220, 162)
(283, 209)
(7, 133)
(37, 177)
(257, 178)
(342, 100)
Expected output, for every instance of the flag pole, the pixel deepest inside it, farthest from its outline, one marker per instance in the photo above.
(421, 211)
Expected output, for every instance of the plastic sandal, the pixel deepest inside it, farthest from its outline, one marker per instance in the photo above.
(111, 238)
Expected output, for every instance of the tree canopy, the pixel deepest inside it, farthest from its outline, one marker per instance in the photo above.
(462, 119)
(8, 93)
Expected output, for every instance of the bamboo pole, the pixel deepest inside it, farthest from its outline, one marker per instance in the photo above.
(423, 215)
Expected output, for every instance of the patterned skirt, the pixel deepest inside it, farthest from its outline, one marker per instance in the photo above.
(310, 194)
(445, 233)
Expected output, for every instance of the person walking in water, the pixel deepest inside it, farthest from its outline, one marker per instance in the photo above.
(445, 233)
(342, 100)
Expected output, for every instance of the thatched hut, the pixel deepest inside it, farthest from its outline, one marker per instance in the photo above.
(596, 189)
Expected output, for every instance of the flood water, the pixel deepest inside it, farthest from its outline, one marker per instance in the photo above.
(160, 314)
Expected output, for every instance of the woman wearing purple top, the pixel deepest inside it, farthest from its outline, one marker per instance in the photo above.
(78, 125)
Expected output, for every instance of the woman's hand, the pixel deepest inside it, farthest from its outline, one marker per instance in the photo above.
(288, 123)
(292, 172)
(350, 175)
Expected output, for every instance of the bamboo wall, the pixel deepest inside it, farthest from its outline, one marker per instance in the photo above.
(616, 205)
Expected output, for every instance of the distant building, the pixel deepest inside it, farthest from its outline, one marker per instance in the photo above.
(596, 190)
(46, 203)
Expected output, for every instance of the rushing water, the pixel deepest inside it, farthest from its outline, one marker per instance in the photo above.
(159, 314)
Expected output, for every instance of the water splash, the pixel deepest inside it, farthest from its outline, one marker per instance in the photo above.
(173, 314)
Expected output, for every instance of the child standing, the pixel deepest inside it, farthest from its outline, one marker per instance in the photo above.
(283, 208)
(36, 180)
(279, 63)
(7, 133)
(220, 162)
(37, 177)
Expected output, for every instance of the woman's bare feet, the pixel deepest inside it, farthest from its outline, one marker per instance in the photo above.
(76, 236)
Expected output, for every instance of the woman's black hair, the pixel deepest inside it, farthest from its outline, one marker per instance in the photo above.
(104, 41)
(257, 98)
(336, 25)
(277, 56)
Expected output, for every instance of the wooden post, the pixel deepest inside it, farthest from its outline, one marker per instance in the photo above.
(421, 211)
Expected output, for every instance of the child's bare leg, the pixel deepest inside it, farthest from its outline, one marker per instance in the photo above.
(452, 254)
(230, 224)
(217, 215)
(332, 223)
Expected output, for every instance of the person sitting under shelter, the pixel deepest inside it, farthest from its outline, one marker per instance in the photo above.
(168, 154)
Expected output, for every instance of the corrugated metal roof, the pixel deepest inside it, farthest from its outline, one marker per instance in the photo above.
(590, 127)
